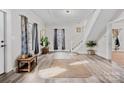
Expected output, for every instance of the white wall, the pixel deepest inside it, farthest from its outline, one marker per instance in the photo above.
(104, 44)
(101, 48)
(71, 36)
(14, 42)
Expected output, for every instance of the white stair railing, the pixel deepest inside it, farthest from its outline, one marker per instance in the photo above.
(77, 45)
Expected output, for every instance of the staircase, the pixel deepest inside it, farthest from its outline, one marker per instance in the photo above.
(77, 45)
(80, 47)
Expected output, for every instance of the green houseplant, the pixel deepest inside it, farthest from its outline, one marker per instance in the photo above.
(91, 45)
(45, 43)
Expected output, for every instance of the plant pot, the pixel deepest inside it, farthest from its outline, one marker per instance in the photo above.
(91, 52)
(45, 50)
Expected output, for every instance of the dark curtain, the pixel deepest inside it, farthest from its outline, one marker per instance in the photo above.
(55, 40)
(63, 41)
(117, 42)
(35, 44)
(33, 37)
(24, 38)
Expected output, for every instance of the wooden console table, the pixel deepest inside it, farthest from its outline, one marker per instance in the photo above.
(26, 64)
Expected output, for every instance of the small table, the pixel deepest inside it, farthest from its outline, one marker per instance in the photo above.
(91, 52)
(26, 64)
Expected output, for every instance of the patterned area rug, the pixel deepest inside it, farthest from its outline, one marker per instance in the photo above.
(65, 68)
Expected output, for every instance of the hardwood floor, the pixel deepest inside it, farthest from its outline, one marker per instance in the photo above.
(118, 57)
(101, 70)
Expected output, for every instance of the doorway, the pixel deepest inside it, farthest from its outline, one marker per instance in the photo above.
(118, 42)
(59, 39)
(2, 42)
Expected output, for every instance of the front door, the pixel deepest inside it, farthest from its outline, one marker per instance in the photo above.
(2, 30)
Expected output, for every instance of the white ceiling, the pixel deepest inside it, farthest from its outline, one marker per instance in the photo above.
(60, 17)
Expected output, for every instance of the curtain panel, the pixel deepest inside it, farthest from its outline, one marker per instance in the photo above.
(55, 40)
(63, 39)
(35, 44)
(24, 38)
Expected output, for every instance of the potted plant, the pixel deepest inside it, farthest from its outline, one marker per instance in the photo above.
(91, 45)
(45, 43)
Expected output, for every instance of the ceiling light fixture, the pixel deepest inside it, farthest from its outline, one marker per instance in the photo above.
(68, 11)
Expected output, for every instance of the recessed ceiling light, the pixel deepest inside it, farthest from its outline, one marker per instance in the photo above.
(68, 11)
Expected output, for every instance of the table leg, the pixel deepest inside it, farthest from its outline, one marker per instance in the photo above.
(29, 67)
(36, 60)
(18, 66)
